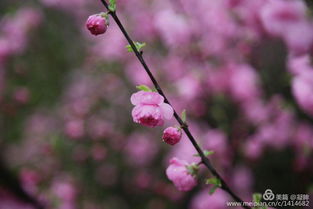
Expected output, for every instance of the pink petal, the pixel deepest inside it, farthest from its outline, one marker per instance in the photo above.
(167, 111)
(146, 98)
(152, 98)
(136, 97)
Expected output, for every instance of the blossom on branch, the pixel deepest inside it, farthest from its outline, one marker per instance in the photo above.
(150, 109)
(182, 174)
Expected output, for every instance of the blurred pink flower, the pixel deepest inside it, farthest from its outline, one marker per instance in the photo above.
(218, 79)
(134, 72)
(188, 86)
(253, 149)
(74, 6)
(98, 152)
(244, 83)
(299, 64)
(8, 203)
(256, 111)
(303, 137)
(102, 48)
(150, 109)
(243, 181)
(177, 172)
(279, 15)
(299, 38)
(302, 89)
(14, 29)
(174, 28)
(99, 128)
(64, 190)
(22, 95)
(183, 150)
(287, 19)
(75, 128)
(203, 200)
(140, 149)
(215, 140)
(30, 179)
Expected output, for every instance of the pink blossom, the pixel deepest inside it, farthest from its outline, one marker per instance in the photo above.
(215, 201)
(75, 128)
(303, 137)
(140, 150)
(299, 64)
(188, 87)
(150, 109)
(14, 30)
(14, 204)
(30, 179)
(102, 49)
(174, 28)
(64, 190)
(216, 141)
(302, 89)
(98, 152)
(22, 95)
(253, 149)
(278, 15)
(73, 6)
(177, 172)
(172, 135)
(244, 83)
(134, 72)
(299, 38)
(218, 79)
(96, 24)
(287, 19)
(255, 111)
(243, 180)
(184, 151)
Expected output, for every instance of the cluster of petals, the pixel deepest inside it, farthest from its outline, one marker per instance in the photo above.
(150, 109)
(178, 173)
(287, 20)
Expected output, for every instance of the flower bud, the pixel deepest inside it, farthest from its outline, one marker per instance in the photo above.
(97, 24)
(172, 135)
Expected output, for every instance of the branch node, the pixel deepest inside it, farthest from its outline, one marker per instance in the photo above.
(184, 125)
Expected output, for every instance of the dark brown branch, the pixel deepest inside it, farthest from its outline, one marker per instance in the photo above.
(184, 126)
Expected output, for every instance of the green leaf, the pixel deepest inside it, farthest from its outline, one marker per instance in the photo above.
(257, 197)
(112, 5)
(144, 88)
(206, 153)
(213, 189)
(138, 46)
(105, 15)
(192, 169)
(184, 116)
(214, 181)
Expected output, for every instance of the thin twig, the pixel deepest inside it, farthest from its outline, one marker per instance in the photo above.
(184, 126)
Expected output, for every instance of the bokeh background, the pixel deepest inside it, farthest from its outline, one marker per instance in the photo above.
(241, 68)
